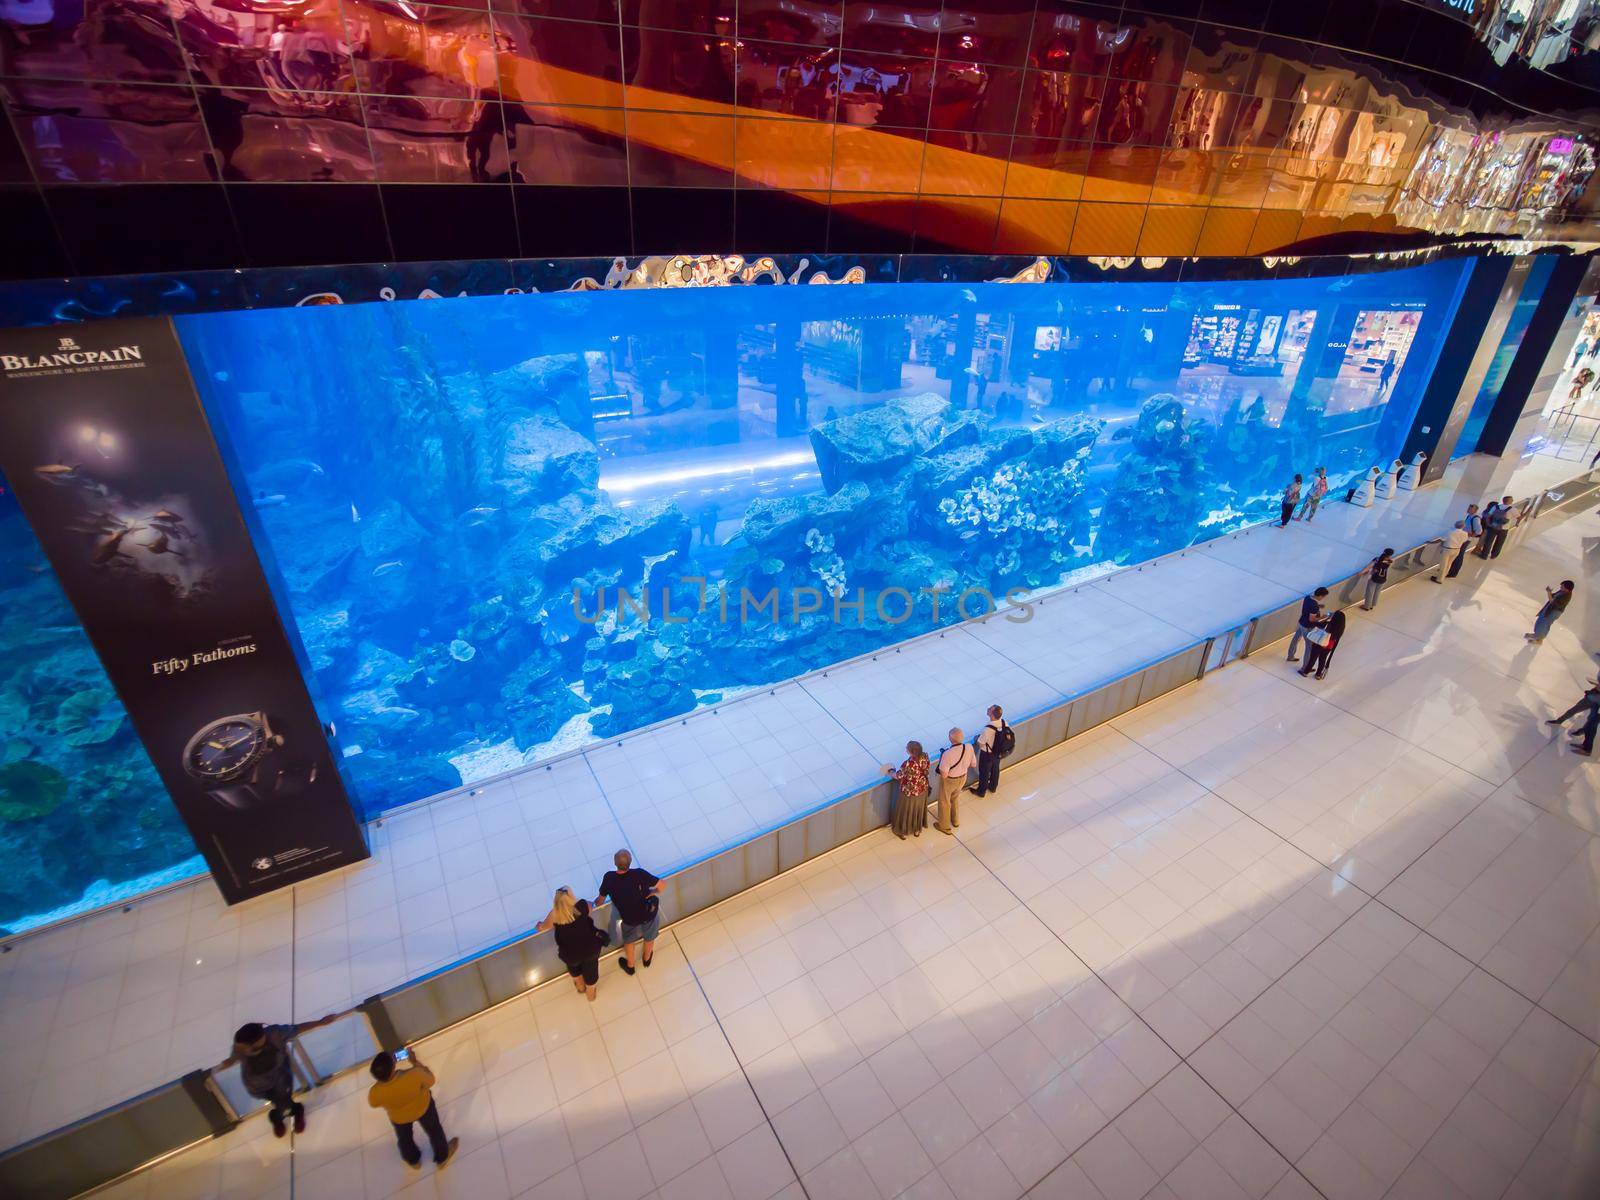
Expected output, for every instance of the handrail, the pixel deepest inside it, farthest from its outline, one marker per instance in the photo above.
(55, 1165)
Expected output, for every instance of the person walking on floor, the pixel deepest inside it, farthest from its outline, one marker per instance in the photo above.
(635, 895)
(1498, 519)
(1324, 642)
(1314, 495)
(1291, 497)
(578, 942)
(267, 1071)
(910, 814)
(1590, 699)
(995, 740)
(1555, 604)
(955, 762)
(1310, 614)
(1377, 576)
(1583, 741)
(404, 1090)
(1455, 549)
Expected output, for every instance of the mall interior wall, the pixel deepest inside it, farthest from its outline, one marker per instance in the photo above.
(1550, 336)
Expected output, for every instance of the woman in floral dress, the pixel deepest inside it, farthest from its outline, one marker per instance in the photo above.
(911, 796)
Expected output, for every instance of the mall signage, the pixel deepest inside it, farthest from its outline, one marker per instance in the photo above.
(108, 450)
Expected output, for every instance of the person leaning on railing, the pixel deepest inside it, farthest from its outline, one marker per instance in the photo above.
(266, 1069)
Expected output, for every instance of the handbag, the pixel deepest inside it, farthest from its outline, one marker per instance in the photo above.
(1319, 637)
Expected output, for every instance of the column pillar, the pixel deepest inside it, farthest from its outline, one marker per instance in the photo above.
(1487, 299)
(1544, 351)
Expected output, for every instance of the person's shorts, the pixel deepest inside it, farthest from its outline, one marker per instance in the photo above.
(589, 971)
(647, 931)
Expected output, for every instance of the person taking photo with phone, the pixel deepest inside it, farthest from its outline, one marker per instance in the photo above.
(404, 1090)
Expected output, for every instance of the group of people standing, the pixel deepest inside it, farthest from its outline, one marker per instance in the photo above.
(1481, 533)
(1321, 630)
(403, 1086)
(916, 777)
(1313, 495)
(635, 897)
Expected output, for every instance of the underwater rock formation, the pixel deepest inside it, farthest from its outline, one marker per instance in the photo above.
(1161, 487)
(79, 800)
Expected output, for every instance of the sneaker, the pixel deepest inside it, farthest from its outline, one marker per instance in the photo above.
(623, 963)
(450, 1155)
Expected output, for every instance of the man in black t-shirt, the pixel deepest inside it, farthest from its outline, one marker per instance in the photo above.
(634, 895)
(1310, 615)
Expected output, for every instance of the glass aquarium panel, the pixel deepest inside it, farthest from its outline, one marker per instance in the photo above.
(455, 492)
(84, 819)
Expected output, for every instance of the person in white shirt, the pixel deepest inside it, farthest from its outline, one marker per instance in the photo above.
(958, 758)
(988, 756)
(1455, 549)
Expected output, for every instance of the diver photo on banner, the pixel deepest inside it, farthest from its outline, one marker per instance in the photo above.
(115, 468)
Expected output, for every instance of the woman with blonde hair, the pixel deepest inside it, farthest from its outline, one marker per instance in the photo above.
(578, 942)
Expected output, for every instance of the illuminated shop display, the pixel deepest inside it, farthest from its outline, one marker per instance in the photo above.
(1012, 127)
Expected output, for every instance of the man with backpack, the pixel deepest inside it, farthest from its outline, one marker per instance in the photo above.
(995, 741)
(1497, 520)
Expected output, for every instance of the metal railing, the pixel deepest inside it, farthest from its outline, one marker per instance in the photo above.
(146, 1129)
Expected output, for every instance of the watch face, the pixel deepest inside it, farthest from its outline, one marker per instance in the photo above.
(226, 748)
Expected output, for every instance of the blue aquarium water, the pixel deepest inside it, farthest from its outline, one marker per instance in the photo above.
(84, 819)
(453, 492)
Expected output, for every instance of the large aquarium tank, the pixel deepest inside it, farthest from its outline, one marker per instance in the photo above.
(84, 819)
(470, 503)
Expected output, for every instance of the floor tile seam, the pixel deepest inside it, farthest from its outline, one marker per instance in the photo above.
(1368, 722)
(605, 796)
(1061, 697)
(1377, 897)
(839, 721)
(1372, 899)
(744, 1072)
(1183, 1059)
(1535, 1003)
(1476, 661)
(1545, 1132)
(1471, 1089)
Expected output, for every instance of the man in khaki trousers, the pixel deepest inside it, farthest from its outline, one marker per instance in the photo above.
(958, 758)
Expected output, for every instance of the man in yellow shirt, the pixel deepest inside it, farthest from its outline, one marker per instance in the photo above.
(404, 1092)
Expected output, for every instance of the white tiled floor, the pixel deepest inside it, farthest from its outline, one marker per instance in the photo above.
(1124, 976)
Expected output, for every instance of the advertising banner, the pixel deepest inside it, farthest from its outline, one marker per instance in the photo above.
(113, 462)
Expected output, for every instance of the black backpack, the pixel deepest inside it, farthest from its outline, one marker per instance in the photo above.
(1005, 740)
